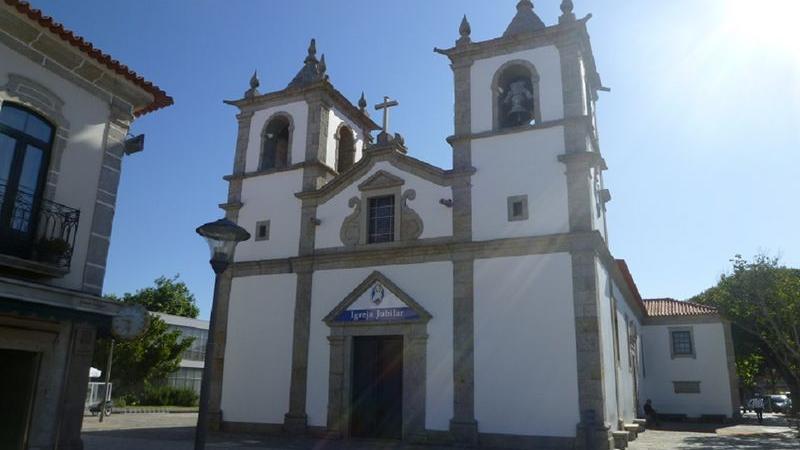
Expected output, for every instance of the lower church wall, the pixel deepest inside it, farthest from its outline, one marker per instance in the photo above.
(525, 353)
(431, 285)
(258, 358)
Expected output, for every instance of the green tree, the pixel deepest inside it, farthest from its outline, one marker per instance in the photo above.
(157, 353)
(143, 361)
(762, 299)
(168, 296)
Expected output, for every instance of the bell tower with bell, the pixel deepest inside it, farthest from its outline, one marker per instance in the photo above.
(528, 164)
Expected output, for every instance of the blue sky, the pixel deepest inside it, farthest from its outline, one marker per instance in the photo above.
(700, 131)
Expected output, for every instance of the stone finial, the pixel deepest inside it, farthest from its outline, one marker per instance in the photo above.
(322, 66)
(566, 9)
(464, 30)
(362, 103)
(254, 83)
(525, 21)
(313, 70)
(312, 50)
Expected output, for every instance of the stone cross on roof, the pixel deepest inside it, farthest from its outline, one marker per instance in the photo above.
(385, 107)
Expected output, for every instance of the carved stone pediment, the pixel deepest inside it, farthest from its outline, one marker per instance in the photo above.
(377, 300)
(381, 180)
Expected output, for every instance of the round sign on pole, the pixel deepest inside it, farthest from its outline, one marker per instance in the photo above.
(130, 323)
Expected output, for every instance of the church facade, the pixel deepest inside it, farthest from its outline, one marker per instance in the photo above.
(385, 297)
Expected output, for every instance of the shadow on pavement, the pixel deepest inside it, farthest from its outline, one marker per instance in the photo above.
(760, 441)
(160, 434)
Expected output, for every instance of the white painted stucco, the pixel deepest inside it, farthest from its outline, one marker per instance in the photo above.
(525, 356)
(258, 357)
(607, 344)
(618, 373)
(430, 285)
(87, 115)
(271, 197)
(519, 164)
(547, 62)
(709, 368)
(436, 218)
(299, 114)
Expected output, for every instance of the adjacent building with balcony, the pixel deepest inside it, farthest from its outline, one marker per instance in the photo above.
(65, 111)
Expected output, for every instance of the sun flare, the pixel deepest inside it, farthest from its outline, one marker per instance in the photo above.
(767, 24)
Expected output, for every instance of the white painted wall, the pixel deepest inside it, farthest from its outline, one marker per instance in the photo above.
(335, 119)
(627, 386)
(430, 285)
(258, 356)
(525, 357)
(618, 374)
(547, 62)
(517, 164)
(271, 197)
(607, 345)
(437, 219)
(82, 158)
(299, 113)
(709, 368)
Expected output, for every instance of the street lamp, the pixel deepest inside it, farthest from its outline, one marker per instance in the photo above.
(222, 237)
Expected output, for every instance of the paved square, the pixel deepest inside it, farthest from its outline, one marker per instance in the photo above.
(176, 432)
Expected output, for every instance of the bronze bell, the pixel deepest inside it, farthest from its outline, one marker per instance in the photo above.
(520, 100)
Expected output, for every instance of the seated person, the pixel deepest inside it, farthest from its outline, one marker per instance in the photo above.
(650, 413)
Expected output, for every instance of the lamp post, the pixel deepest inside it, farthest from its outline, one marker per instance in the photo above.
(222, 237)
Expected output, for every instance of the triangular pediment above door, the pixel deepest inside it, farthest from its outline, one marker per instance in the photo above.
(377, 300)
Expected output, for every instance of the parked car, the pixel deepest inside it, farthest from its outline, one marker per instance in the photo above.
(780, 403)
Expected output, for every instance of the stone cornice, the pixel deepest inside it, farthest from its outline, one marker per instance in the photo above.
(25, 291)
(559, 35)
(321, 88)
(582, 160)
(512, 43)
(372, 155)
(423, 250)
(298, 166)
(520, 129)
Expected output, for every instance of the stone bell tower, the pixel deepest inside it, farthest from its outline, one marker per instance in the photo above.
(526, 142)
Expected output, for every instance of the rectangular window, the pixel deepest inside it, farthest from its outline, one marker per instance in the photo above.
(517, 208)
(682, 345)
(262, 230)
(380, 219)
(686, 387)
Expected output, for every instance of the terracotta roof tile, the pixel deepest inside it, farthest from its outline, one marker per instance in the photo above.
(665, 307)
(160, 98)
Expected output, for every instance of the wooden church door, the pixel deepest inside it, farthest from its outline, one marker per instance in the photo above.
(377, 393)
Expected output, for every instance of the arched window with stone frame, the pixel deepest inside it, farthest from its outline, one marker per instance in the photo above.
(345, 148)
(276, 142)
(516, 99)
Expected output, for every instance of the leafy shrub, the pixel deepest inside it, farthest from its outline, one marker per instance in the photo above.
(168, 396)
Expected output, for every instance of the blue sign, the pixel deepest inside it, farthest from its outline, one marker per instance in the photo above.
(377, 315)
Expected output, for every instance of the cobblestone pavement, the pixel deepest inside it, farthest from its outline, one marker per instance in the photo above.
(176, 432)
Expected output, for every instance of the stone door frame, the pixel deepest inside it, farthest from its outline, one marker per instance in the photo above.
(415, 340)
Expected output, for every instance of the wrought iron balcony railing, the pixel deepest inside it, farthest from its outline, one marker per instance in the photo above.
(36, 229)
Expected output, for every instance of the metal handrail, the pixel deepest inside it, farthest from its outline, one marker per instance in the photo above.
(38, 229)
